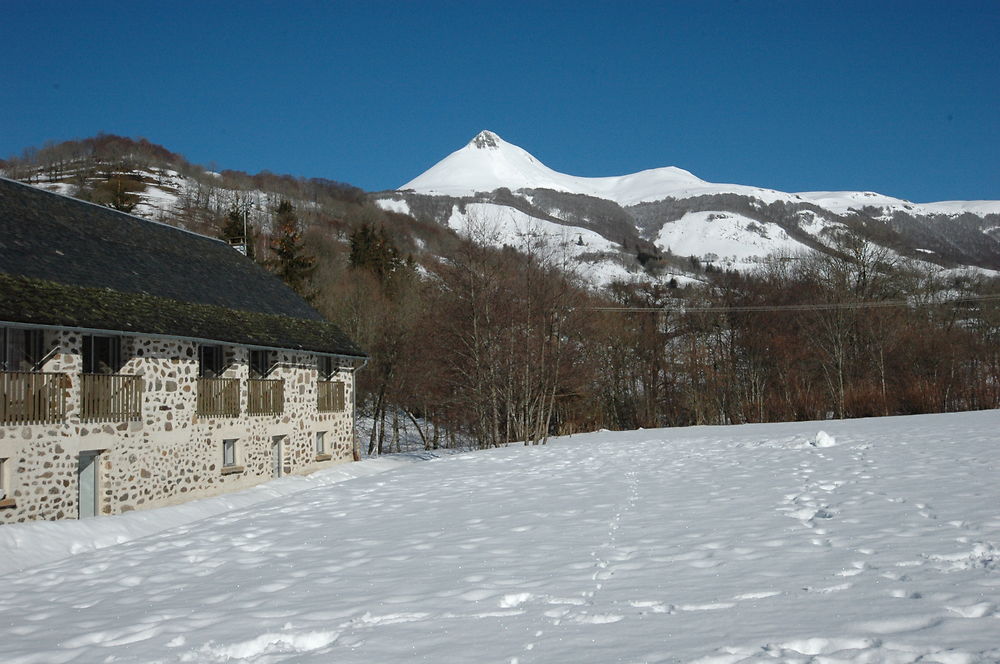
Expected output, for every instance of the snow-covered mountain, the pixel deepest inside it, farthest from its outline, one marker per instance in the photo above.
(488, 162)
(616, 226)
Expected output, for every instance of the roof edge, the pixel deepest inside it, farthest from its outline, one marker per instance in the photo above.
(30, 301)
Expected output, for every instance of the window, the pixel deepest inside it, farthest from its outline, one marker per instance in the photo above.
(331, 397)
(101, 355)
(320, 442)
(210, 364)
(3, 479)
(327, 369)
(229, 453)
(261, 363)
(20, 350)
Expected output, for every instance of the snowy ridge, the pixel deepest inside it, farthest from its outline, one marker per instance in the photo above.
(488, 162)
(843, 202)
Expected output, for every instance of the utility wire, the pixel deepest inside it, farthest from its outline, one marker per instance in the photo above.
(878, 304)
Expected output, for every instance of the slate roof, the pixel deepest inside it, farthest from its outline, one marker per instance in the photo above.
(69, 263)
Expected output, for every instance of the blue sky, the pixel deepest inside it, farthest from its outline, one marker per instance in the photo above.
(902, 98)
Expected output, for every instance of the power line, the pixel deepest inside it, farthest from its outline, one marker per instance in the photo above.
(833, 306)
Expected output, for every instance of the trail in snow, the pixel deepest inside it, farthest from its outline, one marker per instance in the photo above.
(857, 541)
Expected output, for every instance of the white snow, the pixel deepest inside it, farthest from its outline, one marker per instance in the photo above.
(499, 225)
(843, 202)
(843, 541)
(168, 193)
(488, 162)
(28, 544)
(392, 205)
(955, 208)
(731, 238)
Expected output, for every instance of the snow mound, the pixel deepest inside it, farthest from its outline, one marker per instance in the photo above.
(823, 439)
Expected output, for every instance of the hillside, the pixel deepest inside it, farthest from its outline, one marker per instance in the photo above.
(857, 541)
(150, 181)
(642, 219)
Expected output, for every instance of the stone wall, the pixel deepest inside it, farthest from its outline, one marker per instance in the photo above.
(171, 454)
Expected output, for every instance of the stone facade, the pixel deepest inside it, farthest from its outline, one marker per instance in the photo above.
(170, 454)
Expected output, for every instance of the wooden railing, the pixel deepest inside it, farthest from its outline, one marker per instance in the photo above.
(30, 397)
(331, 396)
(110, 397)
(265, 397)
(218, 397)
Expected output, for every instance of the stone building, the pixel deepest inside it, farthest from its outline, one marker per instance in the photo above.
(143, 365)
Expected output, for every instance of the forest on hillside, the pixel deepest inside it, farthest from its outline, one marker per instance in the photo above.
(505, 345)
(469, 342)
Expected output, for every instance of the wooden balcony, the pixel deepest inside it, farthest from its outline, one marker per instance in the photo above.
(110, 397)
(30, 397)
(218, 397)
(265, 397)
(331, 397)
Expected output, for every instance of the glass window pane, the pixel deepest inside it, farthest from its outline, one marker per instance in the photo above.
(229, 453)
(101, 354)
(22, 349)
(260, 363)
(209, 361)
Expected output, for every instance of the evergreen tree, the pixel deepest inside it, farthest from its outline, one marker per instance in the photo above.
(291, 263)
(373, 250)
(235, 227)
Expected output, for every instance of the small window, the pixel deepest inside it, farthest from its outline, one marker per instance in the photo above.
(101, 355)
(320, 442)
(229, 452)
(20, 350)
(327, 368)
(261, 363)
(3, 479)
(210, 364)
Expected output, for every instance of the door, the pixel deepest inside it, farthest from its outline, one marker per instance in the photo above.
(87, 480)
(276, 456)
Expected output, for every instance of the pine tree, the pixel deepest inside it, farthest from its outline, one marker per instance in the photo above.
(291, 263)
(236, 228)
(372, 249)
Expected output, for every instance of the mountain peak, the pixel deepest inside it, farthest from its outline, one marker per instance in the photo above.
(486, 139)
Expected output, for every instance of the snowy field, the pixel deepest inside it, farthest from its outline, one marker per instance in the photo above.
(855, 541)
